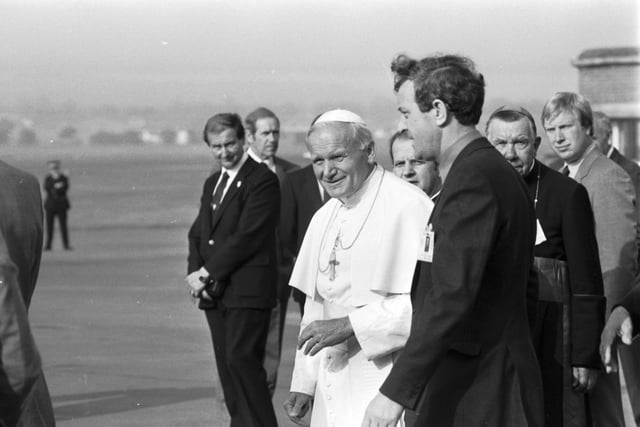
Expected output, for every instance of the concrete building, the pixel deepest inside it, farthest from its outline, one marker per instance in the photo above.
(610, 79)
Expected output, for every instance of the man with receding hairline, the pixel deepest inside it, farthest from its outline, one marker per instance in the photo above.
(570, 311)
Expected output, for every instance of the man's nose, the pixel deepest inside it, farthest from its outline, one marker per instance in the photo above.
(510, 151)
(408, 170)
(328, 169)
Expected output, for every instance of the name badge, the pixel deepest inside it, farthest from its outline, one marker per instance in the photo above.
(540, 236)
(428, 242)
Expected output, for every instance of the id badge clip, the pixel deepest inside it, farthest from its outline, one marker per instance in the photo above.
(428, 242)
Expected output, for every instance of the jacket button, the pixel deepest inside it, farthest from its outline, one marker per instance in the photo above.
(211, 242)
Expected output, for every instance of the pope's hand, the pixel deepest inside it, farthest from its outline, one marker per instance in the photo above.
(618, 325)
(382, 412)
(297, 406)
(324, 333)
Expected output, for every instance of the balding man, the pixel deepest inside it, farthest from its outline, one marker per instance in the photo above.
(570, 312)
(356, 267)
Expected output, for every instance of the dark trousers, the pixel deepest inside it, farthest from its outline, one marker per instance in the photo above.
(239, 336)
(62, 221)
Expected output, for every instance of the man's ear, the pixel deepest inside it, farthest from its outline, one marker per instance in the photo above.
(441, 111)
(371, 152)
(536, 143)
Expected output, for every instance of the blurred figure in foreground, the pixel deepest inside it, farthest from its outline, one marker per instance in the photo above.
(570, 313)
(56, 204)
(356, 267)
(24, 396)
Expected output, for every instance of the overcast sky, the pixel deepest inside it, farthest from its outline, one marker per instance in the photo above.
(156, 53)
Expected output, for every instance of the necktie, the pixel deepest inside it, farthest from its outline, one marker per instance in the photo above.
(565, 171)
(217, 196)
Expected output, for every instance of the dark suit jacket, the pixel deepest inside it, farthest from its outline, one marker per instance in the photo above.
(565, 214)
(21, 228)
(56, 200)
(283, 167)
(469, 348)
(300, 201)
(236, 244)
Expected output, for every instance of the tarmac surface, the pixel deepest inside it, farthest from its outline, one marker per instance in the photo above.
(121, 341)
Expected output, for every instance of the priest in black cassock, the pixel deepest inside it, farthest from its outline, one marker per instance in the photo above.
(571, 304)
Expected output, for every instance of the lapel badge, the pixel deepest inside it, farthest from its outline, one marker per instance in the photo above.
(239, 184)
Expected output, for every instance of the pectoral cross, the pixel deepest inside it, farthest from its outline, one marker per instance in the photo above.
(332, 264)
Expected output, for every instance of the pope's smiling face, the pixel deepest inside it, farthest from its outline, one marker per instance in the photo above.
(340, 164)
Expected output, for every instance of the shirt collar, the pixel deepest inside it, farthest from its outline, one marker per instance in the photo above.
(253, 155)
(573, 168)
(450, 154)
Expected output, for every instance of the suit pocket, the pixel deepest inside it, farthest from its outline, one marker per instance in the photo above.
(466, 348)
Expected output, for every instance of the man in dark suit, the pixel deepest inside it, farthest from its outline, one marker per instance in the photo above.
(232, 268)
(263, 136)
(302, 196)
(469, 357)
(21, 229)
(56, 204)
(571, 304)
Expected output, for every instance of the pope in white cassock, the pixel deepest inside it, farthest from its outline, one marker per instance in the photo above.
(356, 266)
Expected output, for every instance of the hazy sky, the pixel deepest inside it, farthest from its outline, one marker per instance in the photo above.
(262, 52)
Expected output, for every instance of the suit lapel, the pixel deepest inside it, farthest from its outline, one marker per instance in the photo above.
(586, 164)
(234, 188)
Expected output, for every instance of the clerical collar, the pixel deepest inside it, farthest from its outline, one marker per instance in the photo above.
(573, 167)
(530, 169)
(358, 195)
(450, 154)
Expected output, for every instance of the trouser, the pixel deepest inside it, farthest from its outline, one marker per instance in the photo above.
(274, 338)
(239, 336)
(62, 221)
